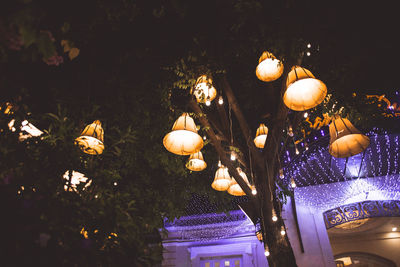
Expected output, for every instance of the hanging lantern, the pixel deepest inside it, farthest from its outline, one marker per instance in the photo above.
(303, 91)
(269, 68)
(234, 188)
(183, 139)
(76, 179)
(91, 139)
(346, 140)
(261, 136)
(222, 179)
(196, 162)
(204, 91)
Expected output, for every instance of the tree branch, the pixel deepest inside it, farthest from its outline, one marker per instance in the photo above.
(217, 145)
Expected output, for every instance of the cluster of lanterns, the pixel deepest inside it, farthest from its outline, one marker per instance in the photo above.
(303, 92)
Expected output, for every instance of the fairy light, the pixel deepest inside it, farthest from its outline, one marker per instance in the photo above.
(394, 229)
(219, 164)
(274, 217)
(283, 232)
(266, 251)
(253, 190)
(323, 182)
(208, 102)
(204, 137)
(233, 156)
(308, 54)
(308, 45)
(292, 183)
(115, 183)
(281, 175)
(220, 100)
(305, 114)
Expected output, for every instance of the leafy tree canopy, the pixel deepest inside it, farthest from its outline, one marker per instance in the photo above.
(131, 64)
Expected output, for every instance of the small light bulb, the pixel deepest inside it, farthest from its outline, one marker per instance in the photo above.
(297, 151)
(219, 164)
(96, 196)
(292, 183)
(220, 100)
(208, 102)
(266, 253)
(233, 157)
(283, 232)
(254, 191)
(204, 137)
(394, 229)
(281, 174)
(115, 183)
(308, 54)
(309, 45)
(305, 114)
(274, 218)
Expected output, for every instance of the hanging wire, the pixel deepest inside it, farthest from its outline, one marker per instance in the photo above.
(251, 164)
(230, 121)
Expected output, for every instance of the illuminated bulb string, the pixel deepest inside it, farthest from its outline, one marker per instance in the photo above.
(322, 182)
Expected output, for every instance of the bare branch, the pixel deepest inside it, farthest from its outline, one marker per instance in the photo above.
(217, 145)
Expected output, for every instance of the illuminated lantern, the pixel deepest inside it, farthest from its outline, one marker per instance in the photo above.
(346, 140)
(196, 162)
(183, 139)
(91, 139)
(204, 91)
(261, 136)
(222, 179)
(234, 188)
(76, 179)
(303, 91)
(269, 68)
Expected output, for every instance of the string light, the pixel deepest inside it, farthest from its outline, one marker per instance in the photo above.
(266, 251)
(204, 137)
(324, 182)
(233, 156)
(308, 54)
(305, 114)
(292, 183)
(253, 190)
(281, 175)
(220, 100)
(274, 217)
(208, 102)
(394, 229)
(309, 45)
(283, 232)
(115, 183)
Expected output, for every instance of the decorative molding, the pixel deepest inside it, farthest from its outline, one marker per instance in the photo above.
(361, 210)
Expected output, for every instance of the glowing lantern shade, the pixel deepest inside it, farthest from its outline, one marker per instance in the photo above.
(261, 136)
(196, 162)
(269, 68)
(222, 179)
(91, 139)
(303, 91)
(204, 90)
(346, 140)
(183, 139)
(76, 179)
(234, 188)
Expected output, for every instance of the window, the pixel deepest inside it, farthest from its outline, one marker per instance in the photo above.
(222, 261)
